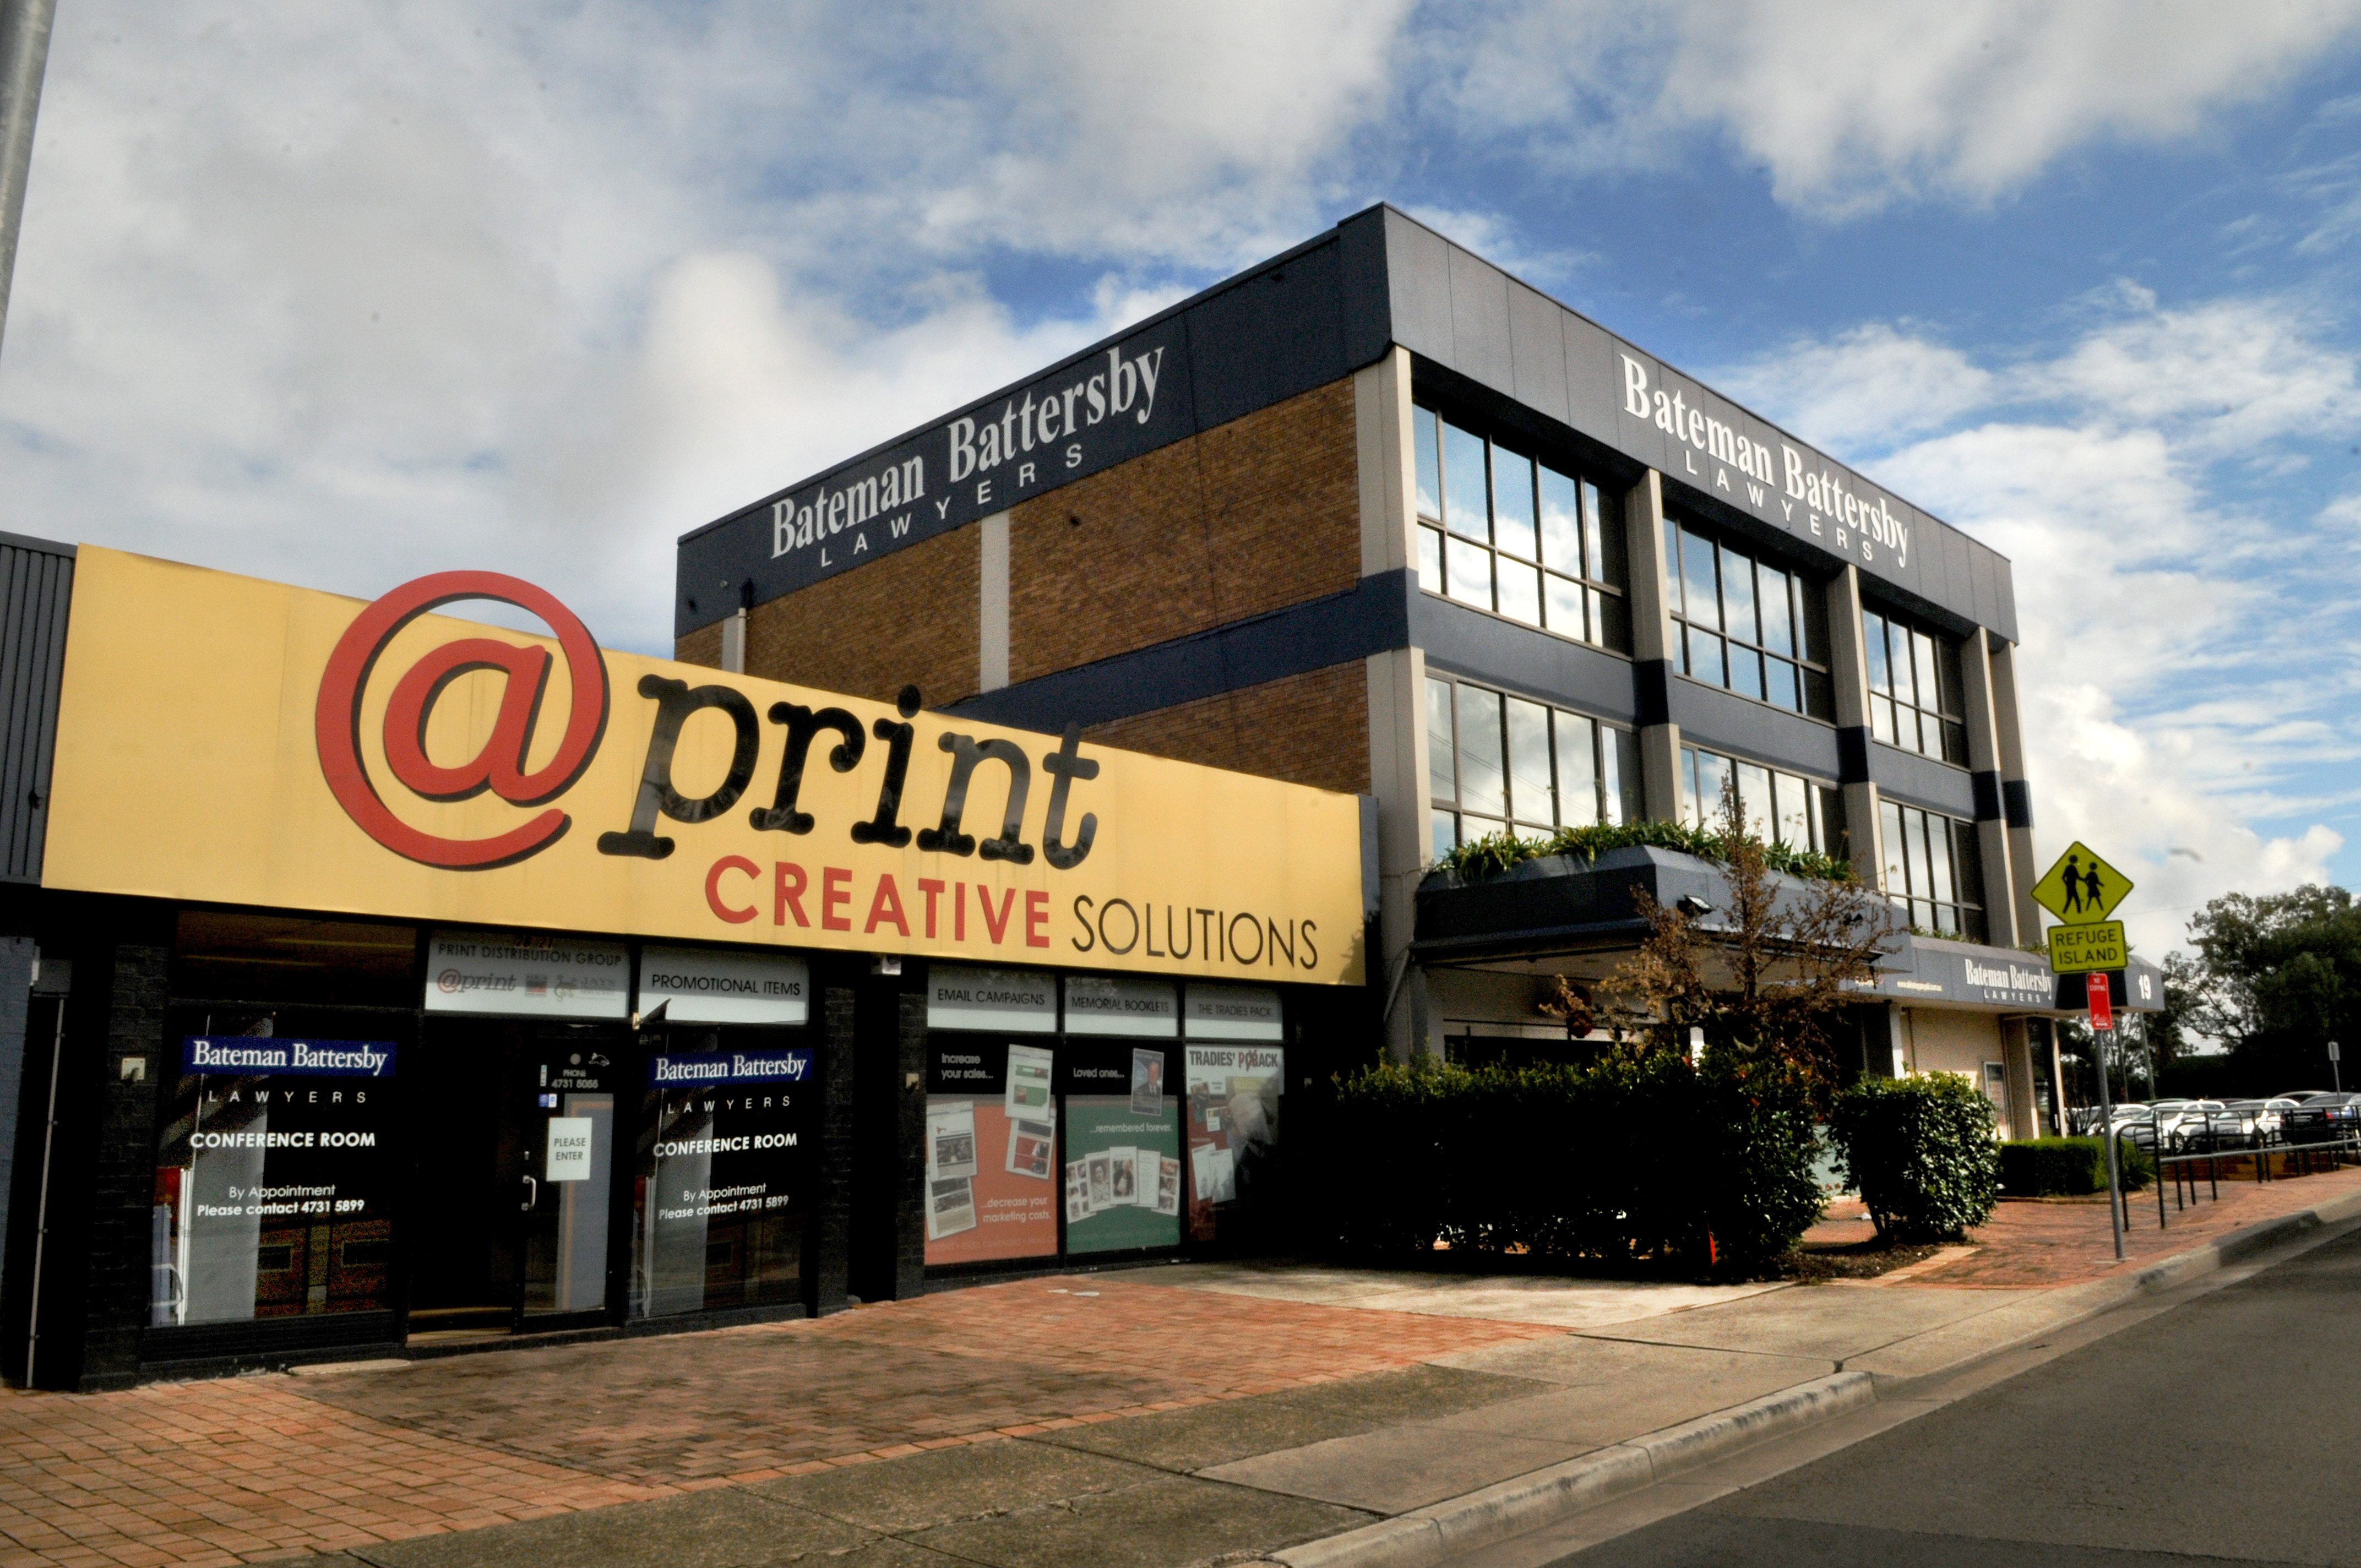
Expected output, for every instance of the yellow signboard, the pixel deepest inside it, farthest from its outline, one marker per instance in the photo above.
(2077, 949)
(2081, 888)
(232, 740)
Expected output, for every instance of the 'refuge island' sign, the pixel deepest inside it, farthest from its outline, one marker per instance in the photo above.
(392, 761)
(1095, 411)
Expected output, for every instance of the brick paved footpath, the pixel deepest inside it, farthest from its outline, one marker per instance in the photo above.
(250, 1468)
(253, 1468)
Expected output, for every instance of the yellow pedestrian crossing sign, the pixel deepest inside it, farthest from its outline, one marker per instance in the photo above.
(2081, 888)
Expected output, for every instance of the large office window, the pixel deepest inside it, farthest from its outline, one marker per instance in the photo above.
(1914, 697)
(1503, 532)
(1779, 809)
(1496, 762)
(1743, 624)
(1932, 870)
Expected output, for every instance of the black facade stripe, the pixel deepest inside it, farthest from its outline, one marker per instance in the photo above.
(1853, 754)
(1367, 618)
(2016, 797)
(1651, 692)
(1988, 796)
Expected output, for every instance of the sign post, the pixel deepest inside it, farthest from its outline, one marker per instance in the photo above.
(2102, 1028)
(2336, 1073)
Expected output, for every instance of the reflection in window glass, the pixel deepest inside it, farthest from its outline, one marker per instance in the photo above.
(1561, 769)
(1466, 507)
(1776, 806)
(1705, 656)
(1737, 597)
(1916, 702)
(1700, 596)
(1767, 648)
(1793, 809)
(1778, 634)
(1932, 871)
(1424, 433)
(1755, 800)
(1526, 540)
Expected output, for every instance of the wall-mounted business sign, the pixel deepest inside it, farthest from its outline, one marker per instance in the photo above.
(1234, 1012)
(1107, 1004)
(1089, 414)
(241, 1054)
(711, 985)
(239, 741)
(527, 975)
(1012, 1001)
(708, 1069)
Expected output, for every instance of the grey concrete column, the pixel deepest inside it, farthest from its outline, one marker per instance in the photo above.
(1983, 762)
(1652, 647)
(1387, 462)
(1849, 674)
(733, 641)
(2016, 795)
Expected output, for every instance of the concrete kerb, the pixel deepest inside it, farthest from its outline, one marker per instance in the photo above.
(1426, 1537)
(1434, 1534)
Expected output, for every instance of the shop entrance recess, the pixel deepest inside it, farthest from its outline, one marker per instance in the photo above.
(514, 1124)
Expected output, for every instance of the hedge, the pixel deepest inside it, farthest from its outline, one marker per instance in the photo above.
(1624, 1161)
(2043, 1167)
(1921, 1153)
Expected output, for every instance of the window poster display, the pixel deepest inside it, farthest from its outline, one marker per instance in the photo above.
(724, 1184)
(991, 1151)
(273, 1181)
(1233, 1122)
(1121, 1174)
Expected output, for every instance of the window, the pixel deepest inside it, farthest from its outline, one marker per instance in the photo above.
(1743, 624)
(1914, 697)
(1932, 870)
(1504, 533)
(1499, 762)
(1779, 809)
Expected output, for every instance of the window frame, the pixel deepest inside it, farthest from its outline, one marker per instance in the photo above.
(1823, 799)
(1614, 782)
(1696, 550)
(1597, 585)
(1886, 680)
(1907, 840)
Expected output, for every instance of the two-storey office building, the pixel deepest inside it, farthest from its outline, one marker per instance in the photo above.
(1375, 516)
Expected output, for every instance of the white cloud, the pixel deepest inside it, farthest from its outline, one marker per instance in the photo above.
(2189, 666)
(1852, 104)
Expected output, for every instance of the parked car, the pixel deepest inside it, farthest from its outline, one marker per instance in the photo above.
(2317, 1118)
(2254, 1122)
(2170, 1124)
(2084, 1119)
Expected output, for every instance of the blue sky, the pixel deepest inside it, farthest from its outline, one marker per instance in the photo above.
(346, 294)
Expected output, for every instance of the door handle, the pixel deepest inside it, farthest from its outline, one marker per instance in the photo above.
(533, 1194)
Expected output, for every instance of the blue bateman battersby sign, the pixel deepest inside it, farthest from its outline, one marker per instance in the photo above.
(729, 1067)
(249, 1055)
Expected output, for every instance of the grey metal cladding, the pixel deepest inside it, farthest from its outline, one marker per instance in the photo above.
(1537, 345)
(1275, 336)
(1724, 721)
(1637, 436)
(36, 595)
(1479, 321)
(1921, 781)
(1418, 286)
(1498, 653)
(2004, 619)
(1589, 377)
(1362, 300)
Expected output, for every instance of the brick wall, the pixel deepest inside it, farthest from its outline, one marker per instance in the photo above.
(1309, 729)
(908, 616)
(1250, 517)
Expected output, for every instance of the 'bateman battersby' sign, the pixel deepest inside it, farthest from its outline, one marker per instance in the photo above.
(243, 742)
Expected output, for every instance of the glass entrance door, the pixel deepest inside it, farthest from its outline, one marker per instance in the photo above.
(513, 1189)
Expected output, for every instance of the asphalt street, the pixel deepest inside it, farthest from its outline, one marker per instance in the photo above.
(2224, 1429)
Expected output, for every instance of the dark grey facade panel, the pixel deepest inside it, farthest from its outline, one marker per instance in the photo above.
(1724, 721)
(36, 592)
(1278, 335)
(2004, 619)
(1418, 288)
(1537, 345)
(1362, 299)
(1589, 375)
(1923, 782)
(1370, 618)
(1496, 652)
(1479, 321)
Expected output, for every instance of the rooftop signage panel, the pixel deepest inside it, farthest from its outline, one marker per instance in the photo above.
(1305, 318)
(384, 760)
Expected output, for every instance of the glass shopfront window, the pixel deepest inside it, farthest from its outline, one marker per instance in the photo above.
(991, 1120)
(1233, 1070)
(274, 1179)
(1121, 1174)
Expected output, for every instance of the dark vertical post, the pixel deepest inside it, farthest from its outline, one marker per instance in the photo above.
(828, 1263)
(24, 55)
(910, 1208)
(118, 1260)
(18, 955)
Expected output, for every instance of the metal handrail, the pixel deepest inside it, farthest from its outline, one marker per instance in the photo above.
(2261, 1154)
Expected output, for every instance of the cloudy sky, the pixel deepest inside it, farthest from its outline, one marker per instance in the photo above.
(344, 294)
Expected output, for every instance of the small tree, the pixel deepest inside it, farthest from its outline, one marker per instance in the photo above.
(1760, 977)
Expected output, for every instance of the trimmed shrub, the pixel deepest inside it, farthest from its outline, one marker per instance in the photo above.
(2047, 1167)
(1622, 1160)
(1921, 1153)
